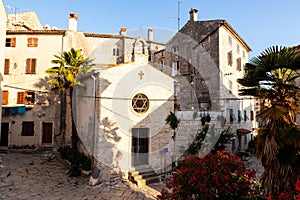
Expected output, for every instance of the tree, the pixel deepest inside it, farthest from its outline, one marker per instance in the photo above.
(173, 121)
(271, 77)
(64, 76)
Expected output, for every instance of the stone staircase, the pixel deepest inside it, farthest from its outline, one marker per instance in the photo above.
(143, 175)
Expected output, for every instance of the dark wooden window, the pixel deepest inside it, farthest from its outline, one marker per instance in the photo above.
(10, 42)
(239, 64)
(6, 66)
(32, 42)
(27, 98)
(251, 115)
(21, 98)
(5, 97)
(27, 129)
(116, 51)
(229, 58)
(31, 66)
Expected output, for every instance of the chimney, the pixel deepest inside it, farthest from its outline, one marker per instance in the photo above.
(123, 31)
(150, 34)
(73, 17)
(194, 15)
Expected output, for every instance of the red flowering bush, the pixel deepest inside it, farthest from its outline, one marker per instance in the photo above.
(217, 176)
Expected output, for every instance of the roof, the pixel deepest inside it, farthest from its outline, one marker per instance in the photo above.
(208, 27)
(24, 20)
(42, 32)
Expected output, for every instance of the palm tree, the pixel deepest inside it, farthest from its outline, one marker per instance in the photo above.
(272, 77)
(64, 77)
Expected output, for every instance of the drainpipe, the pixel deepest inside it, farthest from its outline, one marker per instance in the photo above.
(94, 126)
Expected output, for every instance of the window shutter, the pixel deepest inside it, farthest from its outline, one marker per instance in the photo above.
(36, 42)
(33, 65)
(21, 98)
(6, 66)
(5, 98)
(27, 66)
(13, 42)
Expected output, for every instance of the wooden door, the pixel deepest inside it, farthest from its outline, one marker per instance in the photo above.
(4, 134)
(47, 133)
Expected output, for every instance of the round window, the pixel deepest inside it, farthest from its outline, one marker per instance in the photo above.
(140, 103)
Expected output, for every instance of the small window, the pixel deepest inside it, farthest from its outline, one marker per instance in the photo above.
(251, 115)
(231, 115)
(27, 98)
(21, 98)
(30, 98)
(240, 118)
(6, 66)
(140, 103)
(244, 54)
(10, 42)
(238, 48)
(229, 58)
(31, 66)
(32, 42)
(245, 115)
(161, 64)
(175, 67)
(229, 40)
(175, 49)
(230, 86)
(27, 129)
(5, 97)
(239, 64)
(116, 51)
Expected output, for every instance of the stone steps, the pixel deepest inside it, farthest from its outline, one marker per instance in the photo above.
(143, 175)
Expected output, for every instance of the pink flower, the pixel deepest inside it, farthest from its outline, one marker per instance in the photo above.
(297, 185)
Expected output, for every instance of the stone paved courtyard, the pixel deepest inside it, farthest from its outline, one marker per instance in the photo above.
(35, 176)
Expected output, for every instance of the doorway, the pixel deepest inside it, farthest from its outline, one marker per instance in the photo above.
(140, 146)
(47, 133)
(4, 134)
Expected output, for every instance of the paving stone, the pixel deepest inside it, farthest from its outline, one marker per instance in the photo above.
(48, 180)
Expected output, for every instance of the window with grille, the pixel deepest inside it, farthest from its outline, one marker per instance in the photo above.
(27, 128)
(32, 42)
(5, 97)
(6, 66)
(10, 42)
(31, 66)
(140, 103)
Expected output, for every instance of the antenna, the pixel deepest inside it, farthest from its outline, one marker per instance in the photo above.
(178, 15)
(15, 10)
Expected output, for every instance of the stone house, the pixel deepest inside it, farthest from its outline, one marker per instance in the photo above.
(206, 57)
(31, 114)
(2, 47)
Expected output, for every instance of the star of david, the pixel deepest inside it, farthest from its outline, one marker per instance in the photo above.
(140, 103)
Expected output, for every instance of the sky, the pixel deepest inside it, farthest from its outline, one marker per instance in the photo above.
(261, 23)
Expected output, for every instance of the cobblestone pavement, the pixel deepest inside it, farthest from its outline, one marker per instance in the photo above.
(33, 176)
